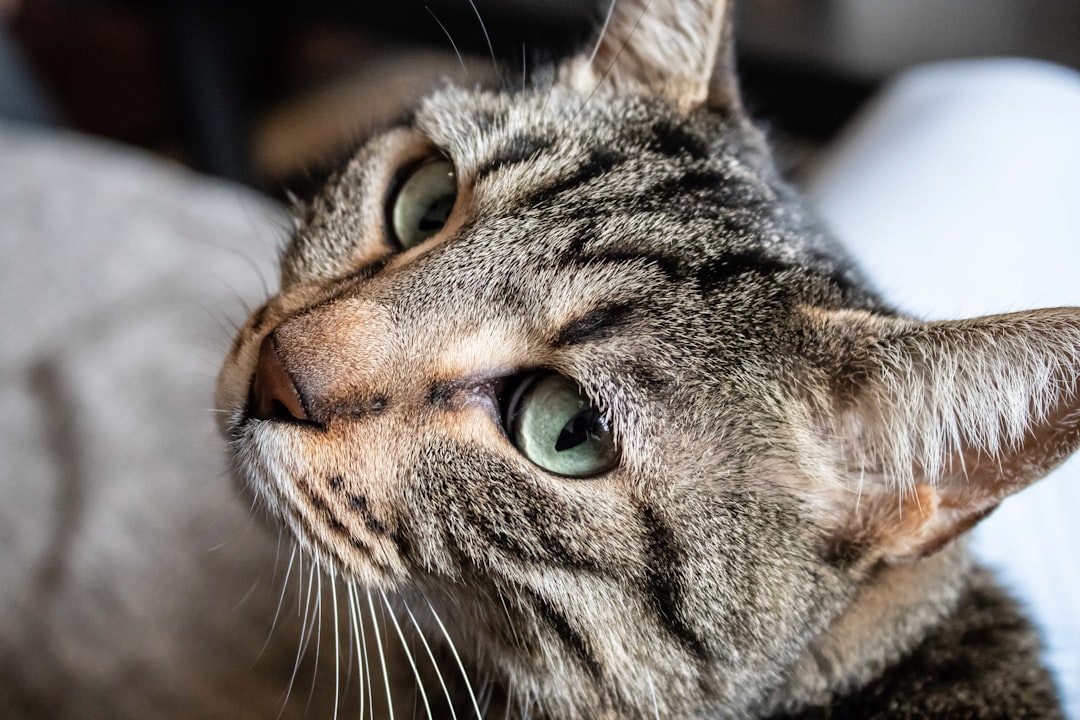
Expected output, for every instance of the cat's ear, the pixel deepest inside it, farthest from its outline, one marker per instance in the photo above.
(681, 49)
(933, 424)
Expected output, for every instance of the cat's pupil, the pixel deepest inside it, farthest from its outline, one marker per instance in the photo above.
(437, 213)
(574, 433)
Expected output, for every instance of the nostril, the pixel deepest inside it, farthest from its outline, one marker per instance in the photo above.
(273, 392)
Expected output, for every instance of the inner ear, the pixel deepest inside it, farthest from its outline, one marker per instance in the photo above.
(680, 49)
(932, 425)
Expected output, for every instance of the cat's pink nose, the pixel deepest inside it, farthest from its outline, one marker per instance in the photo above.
(273, 393)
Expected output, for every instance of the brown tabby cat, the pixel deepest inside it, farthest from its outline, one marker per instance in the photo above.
(582, 382)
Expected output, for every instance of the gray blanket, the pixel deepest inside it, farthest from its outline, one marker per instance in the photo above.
(133, 581)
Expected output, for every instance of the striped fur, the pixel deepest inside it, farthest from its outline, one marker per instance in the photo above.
(784, 436)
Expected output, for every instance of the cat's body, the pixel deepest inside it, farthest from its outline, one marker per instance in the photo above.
(981, 661)
(772, 465)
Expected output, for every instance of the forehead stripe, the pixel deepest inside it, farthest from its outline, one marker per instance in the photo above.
(599, 162)
(599, 323)
(715, 273)
(676, 141)
(521, 148)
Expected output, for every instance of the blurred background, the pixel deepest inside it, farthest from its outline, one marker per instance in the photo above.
(270, 93)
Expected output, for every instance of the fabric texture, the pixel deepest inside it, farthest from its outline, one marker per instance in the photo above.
(133, 581)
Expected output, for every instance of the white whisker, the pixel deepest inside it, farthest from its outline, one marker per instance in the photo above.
(382, 655)
(457, 658)
(486, 692)
(451, 39)
(494, 62)
(434, 662)
(318, 630)
(337, 644)
(349, 662)
(300, 582)
(281, 601)
(615, 61)
(305, 635)
(247, 595)
(277, 554)
(361, 639)
(547, 99)
(408, 655)
(509, 620)
(603, 31)
(509, 703)
(354, 624)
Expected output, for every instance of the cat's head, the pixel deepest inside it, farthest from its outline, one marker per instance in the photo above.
(574, 365)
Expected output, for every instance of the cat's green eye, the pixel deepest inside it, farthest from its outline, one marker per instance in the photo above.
(423, 202)
(555, 426)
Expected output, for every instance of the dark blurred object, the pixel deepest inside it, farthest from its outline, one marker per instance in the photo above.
(100, 65)
(21, 96)
(199, 79)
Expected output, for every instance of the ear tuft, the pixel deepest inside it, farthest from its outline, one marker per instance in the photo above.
(942, 421)
(679, 49)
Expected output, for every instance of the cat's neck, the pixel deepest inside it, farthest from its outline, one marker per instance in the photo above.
(937, 638)
(890, 615)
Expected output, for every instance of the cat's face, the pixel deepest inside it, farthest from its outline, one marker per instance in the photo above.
(642, 256)
(568, 364)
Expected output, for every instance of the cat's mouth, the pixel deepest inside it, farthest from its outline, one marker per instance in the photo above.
(310, 478)
(345, 528)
